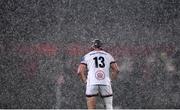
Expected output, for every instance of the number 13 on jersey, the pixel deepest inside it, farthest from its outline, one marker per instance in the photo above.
(99, 62)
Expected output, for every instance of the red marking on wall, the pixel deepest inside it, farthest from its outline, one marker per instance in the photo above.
(79, 49)
(24, 49)
(43, 48)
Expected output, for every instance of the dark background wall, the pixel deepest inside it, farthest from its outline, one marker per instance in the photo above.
(41, 42)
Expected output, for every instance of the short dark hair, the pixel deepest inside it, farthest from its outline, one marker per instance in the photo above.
(97, 43)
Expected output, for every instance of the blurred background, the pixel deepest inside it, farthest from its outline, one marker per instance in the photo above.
(42, 41)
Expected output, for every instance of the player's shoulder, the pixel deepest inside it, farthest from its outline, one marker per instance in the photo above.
(87, 54)
(105, 52)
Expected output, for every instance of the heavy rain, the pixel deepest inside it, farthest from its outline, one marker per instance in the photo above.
(42, 41)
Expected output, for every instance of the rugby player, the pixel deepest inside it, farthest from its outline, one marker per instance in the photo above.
(98, 79)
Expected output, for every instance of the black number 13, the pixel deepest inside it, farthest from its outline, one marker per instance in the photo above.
(100, 64)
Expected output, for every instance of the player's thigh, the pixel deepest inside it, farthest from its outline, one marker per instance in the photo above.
(106, 90)
(91, 90)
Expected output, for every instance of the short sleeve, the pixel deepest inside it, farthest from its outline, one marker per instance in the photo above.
(83, 60)
(111, 59)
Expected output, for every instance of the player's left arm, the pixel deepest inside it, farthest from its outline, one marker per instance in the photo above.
(81, 72)
(115, 70)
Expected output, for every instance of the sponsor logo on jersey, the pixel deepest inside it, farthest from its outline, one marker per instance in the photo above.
(100, 75)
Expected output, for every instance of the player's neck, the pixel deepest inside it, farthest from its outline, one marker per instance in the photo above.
(97, 49)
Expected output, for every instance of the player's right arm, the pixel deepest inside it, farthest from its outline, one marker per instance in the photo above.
(82, 69)
(81, 72)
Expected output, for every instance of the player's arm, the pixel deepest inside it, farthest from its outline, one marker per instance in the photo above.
(81, 72)
(115, 70)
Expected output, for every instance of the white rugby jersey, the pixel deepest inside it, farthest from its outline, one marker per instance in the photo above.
(98, 64)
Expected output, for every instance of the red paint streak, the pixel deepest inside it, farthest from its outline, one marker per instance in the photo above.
(25, 49)
(79, 49)
(46, 48)
(43, 48)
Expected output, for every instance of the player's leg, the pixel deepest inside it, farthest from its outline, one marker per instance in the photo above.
(91, 102)
(107, 95)
(91, 93)
(108, 102)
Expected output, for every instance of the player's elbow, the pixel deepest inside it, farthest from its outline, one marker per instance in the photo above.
(79, 73)
(117, 70)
